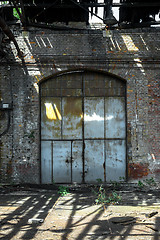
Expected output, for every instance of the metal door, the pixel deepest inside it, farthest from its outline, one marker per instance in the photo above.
(83, 128)
(93, 138)
(115, 143)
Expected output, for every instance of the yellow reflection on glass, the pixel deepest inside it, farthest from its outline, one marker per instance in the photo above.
(57, 112)
(52, 112)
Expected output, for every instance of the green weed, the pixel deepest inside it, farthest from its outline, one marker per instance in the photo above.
(114, 198)
(99, 180)
(102, 197)
(140, 184)
(62, 190)
(150, 182)
(117, 184)
(122, 178)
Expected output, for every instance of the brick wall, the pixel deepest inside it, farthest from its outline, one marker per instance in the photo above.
(130, 54)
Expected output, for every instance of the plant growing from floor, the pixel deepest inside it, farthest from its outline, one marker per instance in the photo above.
(122, 178)
(150, 182)
(115, 184)
(114, 198)
(63, 190)
(99, 180)
(102, 197)
(140, 184)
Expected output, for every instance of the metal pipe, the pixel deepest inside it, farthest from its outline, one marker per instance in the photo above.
(8, 32)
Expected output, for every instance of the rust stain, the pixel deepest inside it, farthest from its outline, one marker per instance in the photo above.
(54, 66)
(110, 51)
(79, 124)
(138, 170)
(73, 106)
(114, 67)
(9, 169)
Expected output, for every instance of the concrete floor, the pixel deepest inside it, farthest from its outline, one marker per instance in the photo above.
(76, 216)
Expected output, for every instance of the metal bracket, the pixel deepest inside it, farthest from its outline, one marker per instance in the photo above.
(6, 106)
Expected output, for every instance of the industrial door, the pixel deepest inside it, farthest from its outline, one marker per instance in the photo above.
(83, 128)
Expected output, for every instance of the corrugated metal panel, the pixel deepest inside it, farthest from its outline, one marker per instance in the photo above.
(94, 160)
(46, 162)
(115, 117)
(115, 159)
(72, 118)
(93, 118)
(62, 161)
(77, 163)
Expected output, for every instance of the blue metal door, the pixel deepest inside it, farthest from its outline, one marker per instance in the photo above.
(83, 128)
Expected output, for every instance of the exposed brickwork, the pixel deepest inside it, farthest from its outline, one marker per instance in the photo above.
(130, 54)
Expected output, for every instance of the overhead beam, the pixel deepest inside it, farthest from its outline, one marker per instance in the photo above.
(44, 9)
(137, 25)
(136, 4)
(86, 9)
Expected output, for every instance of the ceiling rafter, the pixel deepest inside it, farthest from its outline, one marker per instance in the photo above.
(86, 9)
(129, 13)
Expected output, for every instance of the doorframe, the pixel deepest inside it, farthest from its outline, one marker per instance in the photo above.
(81, 70)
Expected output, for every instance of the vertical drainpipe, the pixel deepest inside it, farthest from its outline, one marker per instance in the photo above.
(8, 32)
